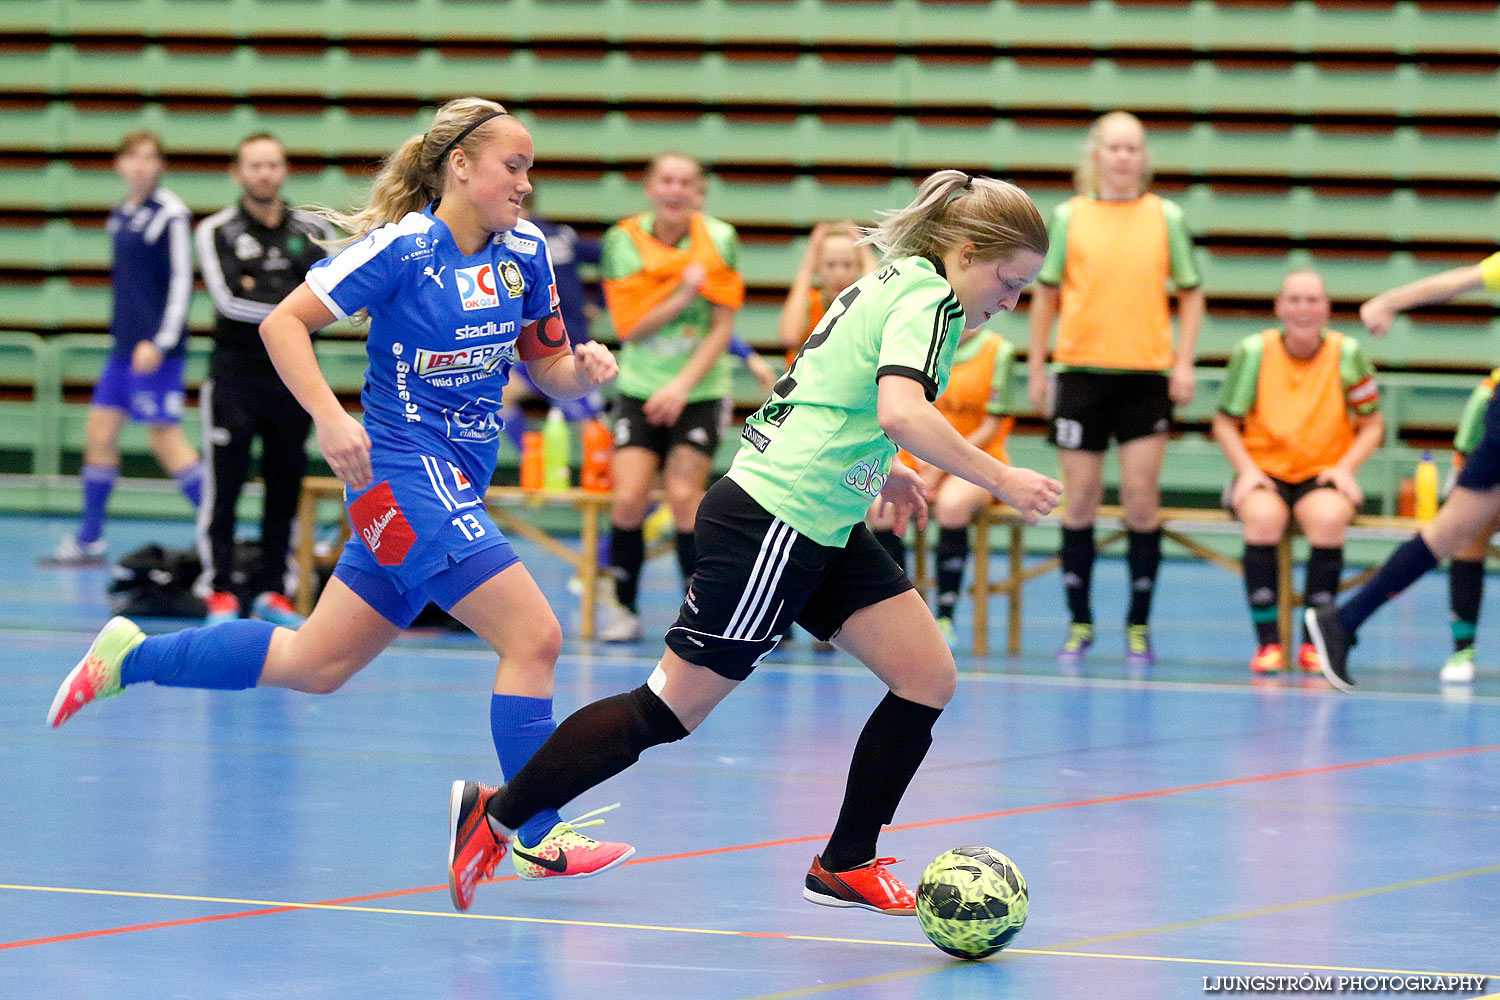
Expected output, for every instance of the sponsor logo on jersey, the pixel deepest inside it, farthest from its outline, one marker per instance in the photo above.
(510, 277)
(476, 422)
(490, 329)
(377, 518)
(865, 477)
(520, 245)
(463, 364)
(247, 247)
(775, 414)
(757, 440)
(476, 287)
(403, 388)
(552, 297)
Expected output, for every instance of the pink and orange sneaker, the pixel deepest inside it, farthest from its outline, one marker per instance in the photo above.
(1307, 659)
(474, 849)
(869, 886)
(97, 675)
(1268, 659)
(219, 607)
(276, 609)
(566, 853)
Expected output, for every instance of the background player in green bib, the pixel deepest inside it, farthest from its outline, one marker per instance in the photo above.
(782, 536)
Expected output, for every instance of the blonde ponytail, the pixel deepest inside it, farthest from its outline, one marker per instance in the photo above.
(952, 208)
(413, 176)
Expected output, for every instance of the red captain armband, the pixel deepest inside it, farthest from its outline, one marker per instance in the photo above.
(542, 338)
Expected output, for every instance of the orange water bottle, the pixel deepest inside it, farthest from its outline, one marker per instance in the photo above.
(598, 446)
(533, 461)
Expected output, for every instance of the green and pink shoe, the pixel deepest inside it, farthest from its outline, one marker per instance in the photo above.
(97, 675)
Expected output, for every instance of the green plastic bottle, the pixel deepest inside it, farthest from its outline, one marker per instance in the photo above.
(556, 444)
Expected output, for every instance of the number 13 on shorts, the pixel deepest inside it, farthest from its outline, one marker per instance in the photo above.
(470, 525)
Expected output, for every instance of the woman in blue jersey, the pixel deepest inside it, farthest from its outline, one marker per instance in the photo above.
(783, 539)
(457, 288)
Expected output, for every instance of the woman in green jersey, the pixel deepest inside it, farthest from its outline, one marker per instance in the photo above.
(782, 538)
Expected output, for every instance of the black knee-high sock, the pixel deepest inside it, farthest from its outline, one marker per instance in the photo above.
(1143, 559)
(893, 545)
(627, 551)
(1262, 589)
(1400, 571)
(590, 746)
(1465, 591)
(889, 751)
(1078, 572)
(1324, 568)
(952, 555)
(687, 554)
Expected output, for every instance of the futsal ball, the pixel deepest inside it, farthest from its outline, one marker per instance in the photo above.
(972, 901)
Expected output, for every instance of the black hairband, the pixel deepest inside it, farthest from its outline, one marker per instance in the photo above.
(968, 182)
(465, 134)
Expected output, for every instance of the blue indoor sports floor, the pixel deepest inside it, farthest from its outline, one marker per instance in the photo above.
(1177, 830)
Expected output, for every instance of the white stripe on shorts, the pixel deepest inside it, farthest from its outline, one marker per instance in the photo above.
(775, 550)
(435, 476)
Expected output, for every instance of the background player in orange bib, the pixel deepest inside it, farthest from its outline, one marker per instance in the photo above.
(833, 261)
(1299, 413)
(672, 290)
(975, 404)
(1113, 249)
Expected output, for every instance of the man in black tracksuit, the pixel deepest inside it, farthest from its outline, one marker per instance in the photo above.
(252, 255)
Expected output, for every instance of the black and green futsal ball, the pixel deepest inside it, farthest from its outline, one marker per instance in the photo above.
(972, 902)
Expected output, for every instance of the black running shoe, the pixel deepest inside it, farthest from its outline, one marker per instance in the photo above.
(1333, 642)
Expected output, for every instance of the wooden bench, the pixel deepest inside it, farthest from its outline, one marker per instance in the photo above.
(501, 502)
(1178, 525)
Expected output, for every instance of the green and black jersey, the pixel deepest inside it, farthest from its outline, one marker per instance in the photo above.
(814, 455)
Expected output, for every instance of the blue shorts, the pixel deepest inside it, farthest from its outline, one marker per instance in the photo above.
(151, 399)
(420, 533)
(400, 607)
(1481, 469)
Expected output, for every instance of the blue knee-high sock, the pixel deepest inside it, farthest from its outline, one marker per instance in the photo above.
(1400, 571)
(520, 726)
(98, 482)
(190, 482)
(227, 657)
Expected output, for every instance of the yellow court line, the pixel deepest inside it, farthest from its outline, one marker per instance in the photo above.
(1046, 952)
(349, 908)
(1282, 908)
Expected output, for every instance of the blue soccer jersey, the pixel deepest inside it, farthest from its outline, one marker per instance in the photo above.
(152, 273)
(445, 329)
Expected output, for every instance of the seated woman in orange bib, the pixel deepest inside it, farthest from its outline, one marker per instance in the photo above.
(1299, 413)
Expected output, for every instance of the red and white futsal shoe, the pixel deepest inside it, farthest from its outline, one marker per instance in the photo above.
(870, 886)
(474, 849)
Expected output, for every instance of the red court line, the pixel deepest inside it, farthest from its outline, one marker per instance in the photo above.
(1020, 811)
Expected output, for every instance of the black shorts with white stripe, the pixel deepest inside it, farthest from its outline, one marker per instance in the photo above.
(755, 575)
